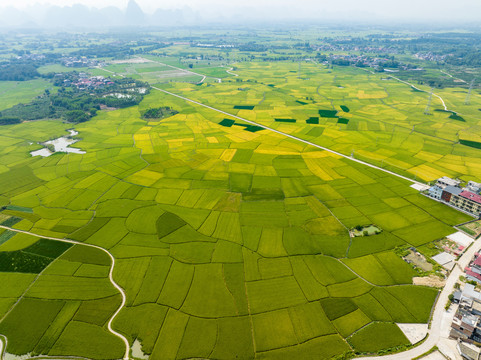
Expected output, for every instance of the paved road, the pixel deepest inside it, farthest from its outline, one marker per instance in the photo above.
(180, 69)
(229, 72)
(434, 334)
(415, 87)
(289, 136)
(3, 346)
(112, 281)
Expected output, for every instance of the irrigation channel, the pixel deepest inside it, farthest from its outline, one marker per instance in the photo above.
(3, 344)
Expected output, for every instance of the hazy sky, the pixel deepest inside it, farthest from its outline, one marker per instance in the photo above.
(458, 10)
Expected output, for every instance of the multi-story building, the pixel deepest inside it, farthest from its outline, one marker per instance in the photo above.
(449, 191)
(464, 325)
(467, 201)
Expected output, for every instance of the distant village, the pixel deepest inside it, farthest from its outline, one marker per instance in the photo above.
(80, 61)
(82, 81)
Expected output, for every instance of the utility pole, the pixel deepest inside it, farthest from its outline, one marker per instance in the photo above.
(427, 111)
(468, 97)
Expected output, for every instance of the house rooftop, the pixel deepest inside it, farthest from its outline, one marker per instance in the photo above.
(477, 262)
(469, 350)
(474, 275)
(470, 292)
(443, 258)
(460, 239)
(471, 196)
(453, 190)
(448, 181)
(470, 319)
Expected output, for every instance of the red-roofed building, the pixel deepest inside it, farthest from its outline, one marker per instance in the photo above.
(471, 275)
(476, 266)
(467, 201)
(471, 196)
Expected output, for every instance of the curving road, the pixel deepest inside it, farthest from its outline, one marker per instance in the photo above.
(434, 333)
(180, 69)
(415, 87)
(3, 346)
(112, 281)
(229, 72)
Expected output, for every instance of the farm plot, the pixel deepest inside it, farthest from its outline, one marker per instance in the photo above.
(65, 309)
(366, 116)
(240, 233)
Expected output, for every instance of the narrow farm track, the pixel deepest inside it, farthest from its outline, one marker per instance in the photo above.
(112, 281)
(230, 72)
(290, 136)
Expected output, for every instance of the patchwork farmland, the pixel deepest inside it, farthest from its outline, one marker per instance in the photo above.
(195, 234)
(232, 239)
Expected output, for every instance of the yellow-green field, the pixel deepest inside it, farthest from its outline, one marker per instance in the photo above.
(384, 123)
(229, 242)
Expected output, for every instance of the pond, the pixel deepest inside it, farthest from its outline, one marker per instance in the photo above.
(61, 144)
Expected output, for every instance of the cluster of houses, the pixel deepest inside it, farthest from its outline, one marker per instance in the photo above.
(34, 57)
(473, 271)
(333, 47)
(83, 81)
(466, 199)
(82, 61)
(431, 57)
(466, 325)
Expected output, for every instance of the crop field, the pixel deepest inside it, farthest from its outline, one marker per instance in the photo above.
(229, 241)
(374, 117)
(14, 92)
(64, 310)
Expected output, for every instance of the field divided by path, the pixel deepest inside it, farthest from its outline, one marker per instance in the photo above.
(223, 234)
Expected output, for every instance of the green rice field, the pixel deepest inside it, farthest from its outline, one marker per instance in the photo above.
(230, 240)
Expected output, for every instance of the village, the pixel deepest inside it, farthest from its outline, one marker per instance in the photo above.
(460, 259)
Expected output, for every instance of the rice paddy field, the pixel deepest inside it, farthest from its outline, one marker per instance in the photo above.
(371, 116)
(230, 241)
(14, 92)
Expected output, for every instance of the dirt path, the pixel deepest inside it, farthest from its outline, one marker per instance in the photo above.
(121, 291)
(229, 72)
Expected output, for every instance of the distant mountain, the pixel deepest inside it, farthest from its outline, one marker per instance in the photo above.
(82, 17)
(11, 17)
(134, 16)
